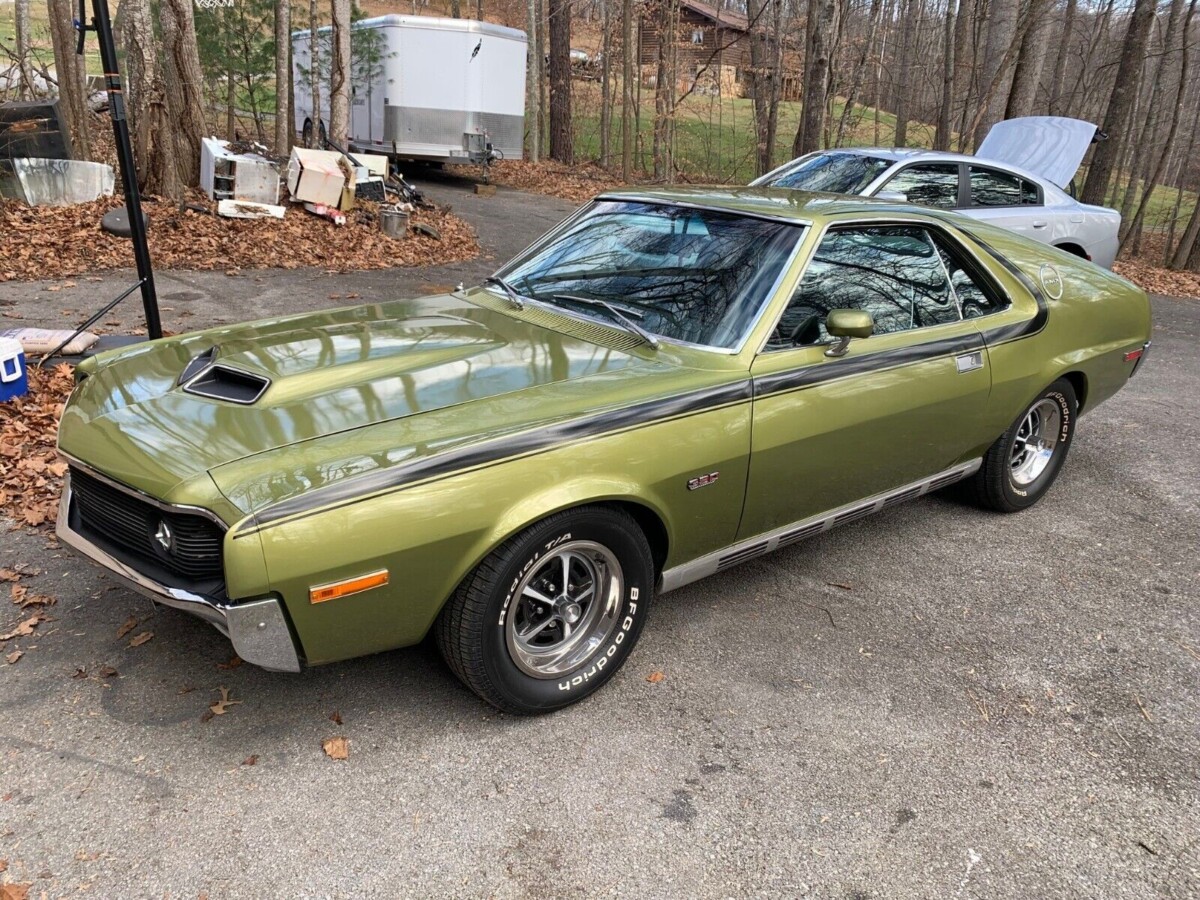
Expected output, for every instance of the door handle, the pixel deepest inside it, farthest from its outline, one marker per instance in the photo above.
(1039, 224)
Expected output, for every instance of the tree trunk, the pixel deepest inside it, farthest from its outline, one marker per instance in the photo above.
(965, 53)
(628, 51)
(1027, 75)
(314, 74)
(605, 86)
(941, 140)
(1058, 104)
(284, 127)
(561, 147)
(664, 91)
(455, 9)
(1176, 113)
(183, 79)
(1120, 103)
(24, 66)
(72, 96)
(142, 91)
(821, 25)
(901, 84)
(760, 75)
(533, 82)
(1001, 39)
(339, 75)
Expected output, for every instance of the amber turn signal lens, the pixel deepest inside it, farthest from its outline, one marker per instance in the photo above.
(324, 592)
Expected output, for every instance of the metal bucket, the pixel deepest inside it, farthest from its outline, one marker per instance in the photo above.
(393, 223)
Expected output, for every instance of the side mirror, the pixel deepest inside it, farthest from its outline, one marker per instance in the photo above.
(892, 196)
(844, 324)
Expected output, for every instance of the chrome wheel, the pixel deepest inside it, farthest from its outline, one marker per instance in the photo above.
(564, 608)
(1036, 442)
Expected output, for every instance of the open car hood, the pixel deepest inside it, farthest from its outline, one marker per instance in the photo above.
(1049, 146)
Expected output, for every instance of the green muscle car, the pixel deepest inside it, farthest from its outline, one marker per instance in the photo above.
(669, 383)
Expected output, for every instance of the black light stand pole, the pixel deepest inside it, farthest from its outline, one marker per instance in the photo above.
(102, 25)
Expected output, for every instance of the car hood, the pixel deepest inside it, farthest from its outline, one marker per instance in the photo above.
(1049, 146)
(325, 373)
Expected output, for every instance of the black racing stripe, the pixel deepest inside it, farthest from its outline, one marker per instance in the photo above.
(1004, 333)
(846, 367)
(352, 489)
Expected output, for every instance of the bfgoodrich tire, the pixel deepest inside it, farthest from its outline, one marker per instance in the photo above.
(550, 615)
(1020, 467)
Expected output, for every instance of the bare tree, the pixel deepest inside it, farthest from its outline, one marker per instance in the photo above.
(533, 83)
(1003, 44)
(69, 69)
(627, 119)
(1060, 61)
(183, 80)
(561, 139)
(907, 24)
(24, 66)
(314, 71)
(146, 104)
(605, 84)
(284, 128)
(821, 23)
(941, 139)
(664, 90)
(1027, 74)
(1120, 103)
(339, 74)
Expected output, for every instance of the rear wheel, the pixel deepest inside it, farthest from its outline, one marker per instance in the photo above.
(1024, 461)
(551, 614)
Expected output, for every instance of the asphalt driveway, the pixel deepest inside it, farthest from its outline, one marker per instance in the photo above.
(936, 702)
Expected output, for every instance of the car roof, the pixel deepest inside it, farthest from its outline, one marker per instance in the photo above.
(770, 202)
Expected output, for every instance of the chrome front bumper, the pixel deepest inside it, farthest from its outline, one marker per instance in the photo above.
(258, 629)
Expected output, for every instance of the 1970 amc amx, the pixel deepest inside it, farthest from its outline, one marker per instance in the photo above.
(667, 384)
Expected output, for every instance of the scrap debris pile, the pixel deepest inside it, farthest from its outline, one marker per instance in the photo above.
(51, 209)
(30, 468)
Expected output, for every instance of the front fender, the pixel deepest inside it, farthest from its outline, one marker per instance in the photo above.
(429, 536)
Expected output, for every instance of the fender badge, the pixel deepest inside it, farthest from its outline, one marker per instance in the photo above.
(1052, 282)
(703, 480)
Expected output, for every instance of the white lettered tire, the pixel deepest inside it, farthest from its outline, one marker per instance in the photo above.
(550, 615)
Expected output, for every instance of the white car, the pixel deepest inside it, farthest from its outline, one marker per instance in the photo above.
(1017, 180)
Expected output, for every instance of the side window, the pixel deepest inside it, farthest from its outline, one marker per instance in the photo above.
(928, 184)
(893, 272)
(972, 299)
(990, 187)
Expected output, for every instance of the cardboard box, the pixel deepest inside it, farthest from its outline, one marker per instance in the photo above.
(316, 176)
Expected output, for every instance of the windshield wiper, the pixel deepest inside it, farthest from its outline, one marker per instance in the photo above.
(631, 326)
(513, 297)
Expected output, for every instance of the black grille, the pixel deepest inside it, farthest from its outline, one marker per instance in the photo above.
(128, 525)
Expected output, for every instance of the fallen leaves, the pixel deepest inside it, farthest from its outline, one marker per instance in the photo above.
(232, 664)
(127, 626)
(190, 239)
(336, 748)
(220, 707)
(655, 677)
(15, 891)
(250, 760)
(142, 638)
(30, 468)
(335, 717)
(14, 657)
(575, 183)
(25, 627)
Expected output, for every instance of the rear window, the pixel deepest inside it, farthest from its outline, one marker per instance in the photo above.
(834, 173)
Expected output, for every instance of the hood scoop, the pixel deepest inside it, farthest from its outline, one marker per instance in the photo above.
(205, 377)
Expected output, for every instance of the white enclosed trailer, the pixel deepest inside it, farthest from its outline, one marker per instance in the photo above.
(425, 88)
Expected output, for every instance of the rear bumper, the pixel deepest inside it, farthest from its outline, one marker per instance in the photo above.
(258, 629)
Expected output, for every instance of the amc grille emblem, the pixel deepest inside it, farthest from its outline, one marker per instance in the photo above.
(703, 480)
(164, 537)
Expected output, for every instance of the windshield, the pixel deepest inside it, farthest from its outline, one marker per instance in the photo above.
(693, 275)
(834, 173)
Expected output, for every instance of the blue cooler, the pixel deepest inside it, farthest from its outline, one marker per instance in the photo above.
(13, 380)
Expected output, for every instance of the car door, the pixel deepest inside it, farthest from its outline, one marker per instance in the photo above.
(899, 406)
(935, 184)
(1007, 200)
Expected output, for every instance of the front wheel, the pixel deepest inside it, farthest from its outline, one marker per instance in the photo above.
(1022, 464)
(550, 615)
